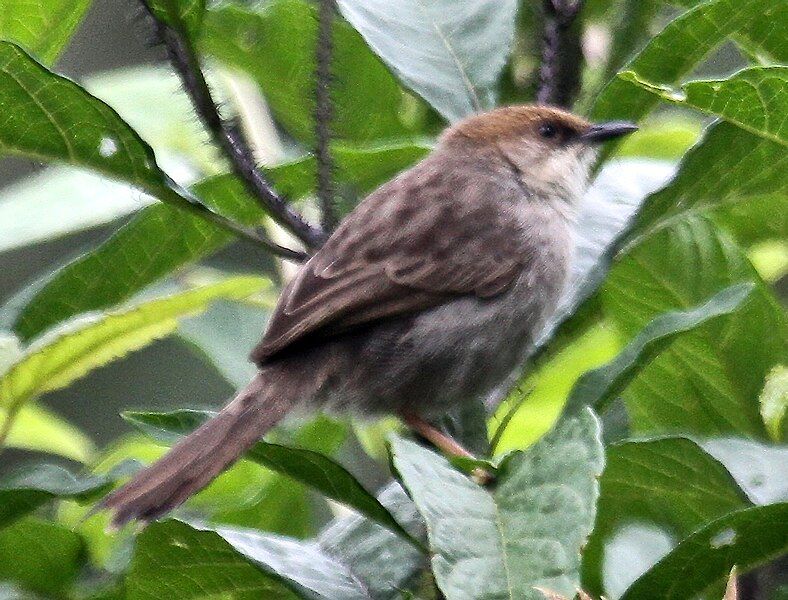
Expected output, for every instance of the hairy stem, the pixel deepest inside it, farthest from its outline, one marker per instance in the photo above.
(559, 73)
(229, 137)
(323, 115)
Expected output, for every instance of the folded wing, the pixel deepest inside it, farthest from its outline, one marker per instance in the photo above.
(409, 246)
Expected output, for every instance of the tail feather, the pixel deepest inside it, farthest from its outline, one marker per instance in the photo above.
(200, 457)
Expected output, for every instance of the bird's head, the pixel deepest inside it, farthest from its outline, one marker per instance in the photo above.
(549, 149)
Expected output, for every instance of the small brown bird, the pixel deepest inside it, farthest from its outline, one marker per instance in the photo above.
(428, 294)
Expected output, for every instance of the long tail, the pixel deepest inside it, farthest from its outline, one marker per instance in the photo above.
(201, 456)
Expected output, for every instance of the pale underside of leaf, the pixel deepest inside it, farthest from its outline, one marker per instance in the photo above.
(526, 532)
(450, 53)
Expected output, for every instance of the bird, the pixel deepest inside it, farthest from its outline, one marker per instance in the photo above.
(428, 294)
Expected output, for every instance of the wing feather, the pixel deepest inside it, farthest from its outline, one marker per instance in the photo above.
(406, 248)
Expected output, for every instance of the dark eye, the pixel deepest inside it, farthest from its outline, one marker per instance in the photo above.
(548, 130)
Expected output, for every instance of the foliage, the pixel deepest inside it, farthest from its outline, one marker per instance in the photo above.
(532, 524)
(641, 452)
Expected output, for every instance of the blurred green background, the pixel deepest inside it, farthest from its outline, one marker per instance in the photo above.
(113, 37)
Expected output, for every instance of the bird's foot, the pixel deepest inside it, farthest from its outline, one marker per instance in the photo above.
(447, 445)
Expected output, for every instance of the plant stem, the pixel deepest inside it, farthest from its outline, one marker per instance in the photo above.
(559, 73)
(323, 115)
(229, 136)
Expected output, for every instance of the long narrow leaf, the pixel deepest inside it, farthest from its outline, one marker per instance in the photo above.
(596, 388)
(88, 342)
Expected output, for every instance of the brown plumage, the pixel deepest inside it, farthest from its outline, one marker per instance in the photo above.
(427, 294)
(393, 256)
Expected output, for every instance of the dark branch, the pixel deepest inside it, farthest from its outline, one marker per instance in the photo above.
(559, 74)
(323, 115)
(229, 137)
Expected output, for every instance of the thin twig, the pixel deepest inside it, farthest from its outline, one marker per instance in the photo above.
(323, 115)
(559, 73)
(228, 136)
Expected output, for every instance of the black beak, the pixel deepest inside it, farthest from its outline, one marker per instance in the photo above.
(601, 132)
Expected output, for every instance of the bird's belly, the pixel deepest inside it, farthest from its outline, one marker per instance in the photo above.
(453, 353)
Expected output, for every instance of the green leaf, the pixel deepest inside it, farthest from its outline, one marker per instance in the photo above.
(282, 505)
(65, 354)
(596, 388)
(162, 239)
(728, 169)
(526, 531)
(450, 52)
(305, 466)
(761, 225)
(707, 381)
(661, 138)
(754, 99)
(761, 35)
(41, 430)
(36, 428)
(25, 491)
(40, 556)
(274, 43)
(182, 15)
(383, 560)
(43, 28)
(744, 539)
(549, 385)
(670, 483)
(774, 402)
(364, 167)
(51, 118)
(173, 560)
(683, 43)
(158, 241)
(303, 564)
